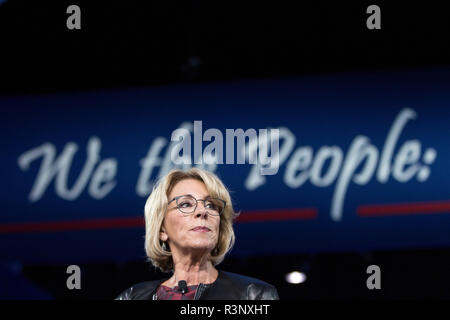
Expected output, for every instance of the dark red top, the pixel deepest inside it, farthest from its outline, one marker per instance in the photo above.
(167, 293)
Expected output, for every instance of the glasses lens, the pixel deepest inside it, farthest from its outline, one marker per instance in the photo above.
(215, 206)
(186, 204)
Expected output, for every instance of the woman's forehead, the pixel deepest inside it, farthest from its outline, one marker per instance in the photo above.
(189, 186)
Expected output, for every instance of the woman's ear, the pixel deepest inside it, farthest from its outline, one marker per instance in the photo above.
(163, 235)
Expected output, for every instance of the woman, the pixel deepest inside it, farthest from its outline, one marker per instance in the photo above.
(188, 224)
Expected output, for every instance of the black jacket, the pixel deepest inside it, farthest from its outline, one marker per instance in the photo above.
(228, 286)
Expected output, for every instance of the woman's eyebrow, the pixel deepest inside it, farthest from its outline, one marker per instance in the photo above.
(205, 197)
(188, 194)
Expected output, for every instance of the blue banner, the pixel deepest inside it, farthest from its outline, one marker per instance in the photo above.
(363, 164)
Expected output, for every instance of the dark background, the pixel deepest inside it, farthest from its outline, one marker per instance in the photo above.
(130, 43)
(158, 43)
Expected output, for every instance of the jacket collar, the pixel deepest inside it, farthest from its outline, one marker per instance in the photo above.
(226, 287)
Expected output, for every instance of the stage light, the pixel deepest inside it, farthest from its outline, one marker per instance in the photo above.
(295, 277)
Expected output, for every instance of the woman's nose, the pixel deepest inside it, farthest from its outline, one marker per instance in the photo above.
(201, 214)
(201, 210)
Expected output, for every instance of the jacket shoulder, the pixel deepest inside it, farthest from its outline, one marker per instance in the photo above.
(139, 291)
(256, 289)
(244, 280)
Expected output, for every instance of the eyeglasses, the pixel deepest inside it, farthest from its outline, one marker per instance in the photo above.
(188, 204)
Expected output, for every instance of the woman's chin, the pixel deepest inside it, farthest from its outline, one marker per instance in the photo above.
(201, 247)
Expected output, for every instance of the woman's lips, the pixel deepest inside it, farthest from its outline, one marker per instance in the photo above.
(201, 229)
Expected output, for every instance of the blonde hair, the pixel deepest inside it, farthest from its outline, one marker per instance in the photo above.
(156, 207)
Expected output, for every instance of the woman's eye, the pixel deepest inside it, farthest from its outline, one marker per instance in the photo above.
(185, 204)
(211, 206)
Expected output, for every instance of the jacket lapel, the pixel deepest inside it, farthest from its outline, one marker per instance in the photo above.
(225, 288)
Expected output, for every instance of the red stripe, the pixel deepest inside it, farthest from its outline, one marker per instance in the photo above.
(250, 216)
(281, 214)
(133, 222)
(110, 223)
(403, 208)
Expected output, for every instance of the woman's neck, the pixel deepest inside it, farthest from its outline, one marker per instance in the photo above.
(193, 273)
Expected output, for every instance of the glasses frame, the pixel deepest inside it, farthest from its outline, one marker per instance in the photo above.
(196, 203)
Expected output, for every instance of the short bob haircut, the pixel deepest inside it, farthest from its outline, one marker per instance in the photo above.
(156, 208)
